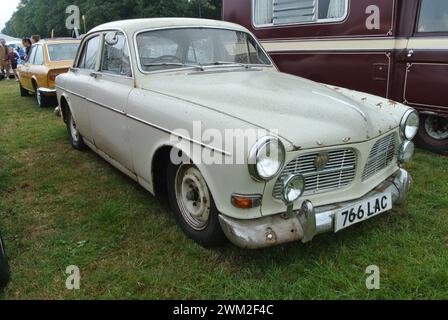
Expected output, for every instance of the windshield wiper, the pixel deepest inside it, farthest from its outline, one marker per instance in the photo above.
(174, 64)
(228, 63)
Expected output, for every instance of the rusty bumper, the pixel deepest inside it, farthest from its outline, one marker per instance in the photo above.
(306, 223)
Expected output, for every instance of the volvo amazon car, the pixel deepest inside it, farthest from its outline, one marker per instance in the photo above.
(47, 60)
(153, 96)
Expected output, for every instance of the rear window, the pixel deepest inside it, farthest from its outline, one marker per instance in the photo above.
(62, 51)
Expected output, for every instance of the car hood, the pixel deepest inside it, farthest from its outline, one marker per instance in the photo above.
(305, 113)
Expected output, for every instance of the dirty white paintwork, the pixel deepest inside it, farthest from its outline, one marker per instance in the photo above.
(147, 107)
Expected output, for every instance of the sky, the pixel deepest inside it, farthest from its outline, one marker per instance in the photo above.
(7, 8)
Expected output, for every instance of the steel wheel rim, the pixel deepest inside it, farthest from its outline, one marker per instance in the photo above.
(193, 197)
(437, 127)
(73, 131)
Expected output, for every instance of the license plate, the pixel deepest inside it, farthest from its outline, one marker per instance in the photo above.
(362, 211)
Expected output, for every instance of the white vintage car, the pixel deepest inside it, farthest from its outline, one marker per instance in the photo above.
(155, 97)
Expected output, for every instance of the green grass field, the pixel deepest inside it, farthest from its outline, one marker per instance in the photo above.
(60, 207)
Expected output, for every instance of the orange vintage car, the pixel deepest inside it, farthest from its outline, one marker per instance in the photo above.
(47, 59)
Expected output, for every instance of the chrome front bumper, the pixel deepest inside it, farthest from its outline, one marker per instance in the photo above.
(306, 223)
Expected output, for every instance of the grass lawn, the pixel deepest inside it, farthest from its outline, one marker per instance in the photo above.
(61, 207)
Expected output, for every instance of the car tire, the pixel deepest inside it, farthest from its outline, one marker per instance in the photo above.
(23, 91)
(433, 134)
(75, 137)
(4, 267)
(193, 205)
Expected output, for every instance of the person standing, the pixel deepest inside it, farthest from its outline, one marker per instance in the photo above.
(27, 47)
(12, 58)
(35, 38)
(4, 63)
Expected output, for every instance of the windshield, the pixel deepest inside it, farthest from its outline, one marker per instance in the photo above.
(190, 47)
(62, 51)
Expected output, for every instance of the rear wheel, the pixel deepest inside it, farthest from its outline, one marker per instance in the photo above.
(75, 136)
(433, 134)
(23, 91)
(193, 205)
(4, 267)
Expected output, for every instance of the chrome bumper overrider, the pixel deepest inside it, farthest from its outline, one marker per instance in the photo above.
(306, 223)
(47, 91)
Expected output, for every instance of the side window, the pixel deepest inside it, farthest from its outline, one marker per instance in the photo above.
(89, 54)
(283, 12)
(30, 58)
(39, 56)
(433, 16)
(115, 58)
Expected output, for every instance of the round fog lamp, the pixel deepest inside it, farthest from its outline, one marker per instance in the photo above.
(406, 152)
(293, 188)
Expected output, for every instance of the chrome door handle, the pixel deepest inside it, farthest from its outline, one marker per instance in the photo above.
(410, 53)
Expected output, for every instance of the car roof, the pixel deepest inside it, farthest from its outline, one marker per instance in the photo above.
(134, 25)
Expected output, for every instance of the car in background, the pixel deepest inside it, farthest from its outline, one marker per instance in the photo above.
(326, 157)
(47, 60)
(4, 267)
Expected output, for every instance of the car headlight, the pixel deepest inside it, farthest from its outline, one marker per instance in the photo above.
(293, 188)
(266, 158)
(406, 152)
(409, 125)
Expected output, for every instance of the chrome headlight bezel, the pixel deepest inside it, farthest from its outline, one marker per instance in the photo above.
(405, 123)
(288, 182)
(406, 152)
(254, 158)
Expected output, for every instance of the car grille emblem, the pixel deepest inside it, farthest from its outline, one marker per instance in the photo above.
(321, 161)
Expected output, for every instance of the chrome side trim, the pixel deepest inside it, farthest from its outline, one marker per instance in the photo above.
(152, 125)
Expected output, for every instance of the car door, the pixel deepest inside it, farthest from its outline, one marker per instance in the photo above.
(24, 70)
(427, 59)
(109, 89)
(77, 80)
(38, 71)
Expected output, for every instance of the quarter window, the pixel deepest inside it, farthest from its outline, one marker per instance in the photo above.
(116, 55)
(283, 12)
(433, 16)
(89, 54)
(39, 58)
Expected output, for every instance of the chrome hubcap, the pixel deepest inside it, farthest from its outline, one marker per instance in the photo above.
(437, 127)
(193, 197)
(73, 131)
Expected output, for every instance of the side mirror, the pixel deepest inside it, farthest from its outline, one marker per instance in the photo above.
(111, 38)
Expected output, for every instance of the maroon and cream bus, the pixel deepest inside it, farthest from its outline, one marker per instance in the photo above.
(397, 49)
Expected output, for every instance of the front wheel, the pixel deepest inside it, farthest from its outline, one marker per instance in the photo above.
(75, 137)
(433, 134)
(193, 205)
(4, 267)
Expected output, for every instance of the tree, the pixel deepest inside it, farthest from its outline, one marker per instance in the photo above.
(43, 16)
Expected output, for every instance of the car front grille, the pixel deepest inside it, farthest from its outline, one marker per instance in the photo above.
(338, 173)
(382, 155)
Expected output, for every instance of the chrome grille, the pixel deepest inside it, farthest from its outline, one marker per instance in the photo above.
(339, 172)
(382, 155)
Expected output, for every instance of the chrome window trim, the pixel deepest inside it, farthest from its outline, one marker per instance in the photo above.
(196, 27)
